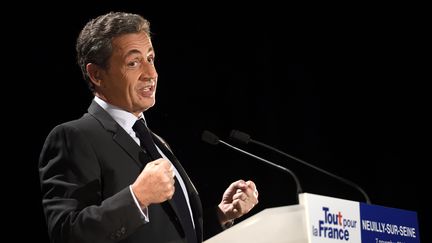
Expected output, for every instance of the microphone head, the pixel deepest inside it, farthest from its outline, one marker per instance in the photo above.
(240, 136)
(209, 137)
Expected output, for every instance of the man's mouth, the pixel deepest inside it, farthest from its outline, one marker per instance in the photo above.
(147, 90)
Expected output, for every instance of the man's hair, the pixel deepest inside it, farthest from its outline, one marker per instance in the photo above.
(94, 41)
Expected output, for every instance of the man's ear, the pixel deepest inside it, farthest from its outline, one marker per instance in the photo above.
(95, 74)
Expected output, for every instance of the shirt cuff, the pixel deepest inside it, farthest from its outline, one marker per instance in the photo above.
(143, 211)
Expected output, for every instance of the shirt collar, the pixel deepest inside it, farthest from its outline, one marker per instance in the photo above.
(124, 118)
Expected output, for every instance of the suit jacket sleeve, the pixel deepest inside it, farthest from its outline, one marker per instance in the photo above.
(71, 187)
(212, 225)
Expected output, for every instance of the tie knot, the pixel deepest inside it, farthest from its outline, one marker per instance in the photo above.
(145, 138)
(140, 127)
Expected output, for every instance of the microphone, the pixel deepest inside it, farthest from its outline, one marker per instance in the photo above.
(212, 139)
(245, 138)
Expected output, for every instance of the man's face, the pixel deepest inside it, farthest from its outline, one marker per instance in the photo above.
(131, 78)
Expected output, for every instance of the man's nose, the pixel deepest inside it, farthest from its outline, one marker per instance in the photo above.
(149, 71)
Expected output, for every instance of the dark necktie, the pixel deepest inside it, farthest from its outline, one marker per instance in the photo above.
(179, 199)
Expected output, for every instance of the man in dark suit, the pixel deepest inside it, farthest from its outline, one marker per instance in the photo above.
(105, 177)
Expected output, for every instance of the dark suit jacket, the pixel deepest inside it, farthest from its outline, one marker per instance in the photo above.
(86, 167)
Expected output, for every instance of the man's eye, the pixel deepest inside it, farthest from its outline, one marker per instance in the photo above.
(150, 59)
(133, 64)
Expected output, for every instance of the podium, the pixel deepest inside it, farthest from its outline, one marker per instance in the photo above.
(323, 219)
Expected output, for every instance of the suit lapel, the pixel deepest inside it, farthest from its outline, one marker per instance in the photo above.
(119, 135)
(167, 151)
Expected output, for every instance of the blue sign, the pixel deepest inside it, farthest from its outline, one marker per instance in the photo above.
(388, 225)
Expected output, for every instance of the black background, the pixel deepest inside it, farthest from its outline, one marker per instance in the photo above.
(339, 89)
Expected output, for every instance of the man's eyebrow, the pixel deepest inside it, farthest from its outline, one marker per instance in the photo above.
(136, 51)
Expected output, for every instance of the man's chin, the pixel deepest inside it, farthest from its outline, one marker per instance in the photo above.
(147, 105)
